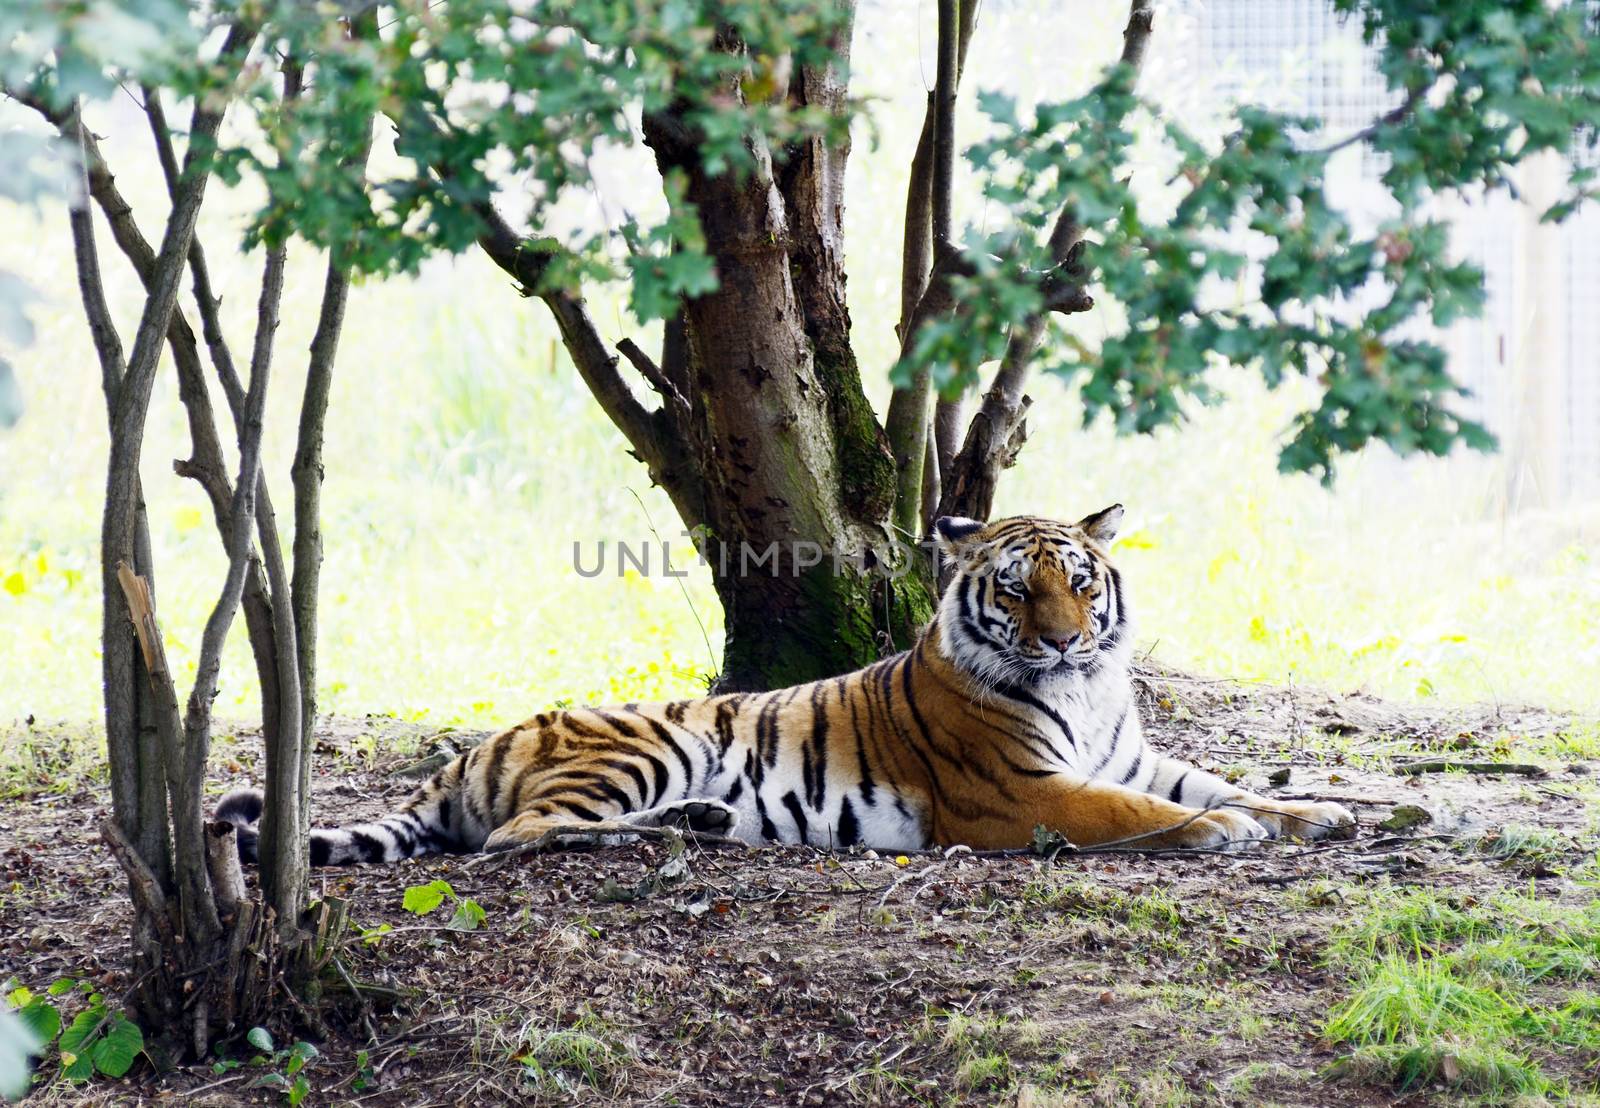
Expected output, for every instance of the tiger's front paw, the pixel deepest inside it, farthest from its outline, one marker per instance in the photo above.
(1223, 829)
(703, 815)
(1308, 820)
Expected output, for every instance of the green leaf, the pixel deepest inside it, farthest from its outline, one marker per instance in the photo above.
(422, 899)
(468, 916)
(118, 1048)
(42, 1019)
(260, 1038)
(300, 1055)
(76, 1067)
(74, 1038)
(298, 1091)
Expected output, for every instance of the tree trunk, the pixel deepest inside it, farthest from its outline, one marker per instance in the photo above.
(795, 476)
(795, 469)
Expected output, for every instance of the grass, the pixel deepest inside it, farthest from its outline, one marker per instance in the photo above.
(1469, 995)
(564, 1060)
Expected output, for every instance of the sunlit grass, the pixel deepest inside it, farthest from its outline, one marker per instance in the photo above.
(1464, 993)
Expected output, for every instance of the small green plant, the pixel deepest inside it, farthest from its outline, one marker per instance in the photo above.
(422, 899)
(285, 1068)
(565, 1059)
(371, 936)
(365, 1077)
(99, 1039)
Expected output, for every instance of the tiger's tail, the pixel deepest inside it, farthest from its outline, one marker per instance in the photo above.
(427, 823)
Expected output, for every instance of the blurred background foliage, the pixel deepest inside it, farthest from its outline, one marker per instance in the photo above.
(466, 461)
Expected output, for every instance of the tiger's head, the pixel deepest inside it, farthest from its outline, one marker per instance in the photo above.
(1032, 600)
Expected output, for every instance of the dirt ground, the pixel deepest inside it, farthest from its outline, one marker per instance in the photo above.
(734, 976)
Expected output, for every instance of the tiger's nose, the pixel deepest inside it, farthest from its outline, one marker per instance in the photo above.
(1062, 644)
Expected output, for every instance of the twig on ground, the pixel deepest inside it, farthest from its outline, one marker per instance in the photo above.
(1445, 765)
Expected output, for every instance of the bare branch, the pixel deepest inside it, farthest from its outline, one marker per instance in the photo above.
(930, 476)
(206, 464)
(1398, 114)
(917, 252)
(1136, 35)
(102, 330)
(948, 421)
(907, 422)
(918, 245)
(996, 431)
(654, 374)
(222, 863)
(307, 474)
(944, 123)
(209, 303)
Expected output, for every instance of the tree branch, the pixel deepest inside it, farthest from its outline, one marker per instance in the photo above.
(102, 330)
(138, 787)
(307, 470)
(917, 251)
(655, 375)
(206, 464)
(907, 422)
(595, 364)
(996, 432)
(209, 303)
(1398, 114)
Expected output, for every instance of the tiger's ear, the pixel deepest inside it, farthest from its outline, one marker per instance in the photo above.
(1102, 525)
(954, 533)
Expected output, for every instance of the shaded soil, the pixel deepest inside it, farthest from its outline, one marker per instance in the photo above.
(737, 976)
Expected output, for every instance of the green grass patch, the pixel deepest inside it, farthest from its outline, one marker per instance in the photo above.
(43, 760)
(589, 1054)
(1482, 996)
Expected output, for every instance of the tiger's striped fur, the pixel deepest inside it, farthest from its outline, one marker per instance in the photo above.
(1014, 709)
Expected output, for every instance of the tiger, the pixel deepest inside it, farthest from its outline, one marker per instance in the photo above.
(1014, 710)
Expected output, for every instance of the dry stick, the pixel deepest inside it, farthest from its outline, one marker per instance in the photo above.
(355, 990)
(1444, 765)
(222, 862)
(653, 374)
